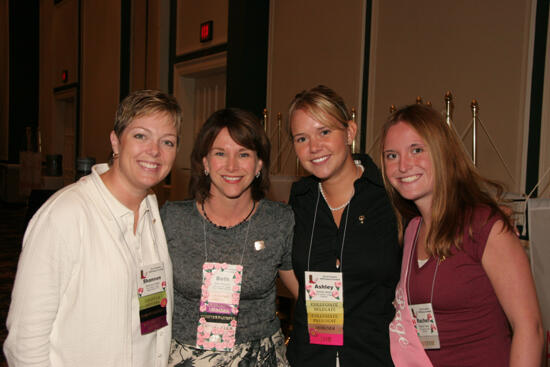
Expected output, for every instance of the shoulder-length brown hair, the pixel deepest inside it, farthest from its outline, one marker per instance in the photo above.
(458, 187)
(246, 130)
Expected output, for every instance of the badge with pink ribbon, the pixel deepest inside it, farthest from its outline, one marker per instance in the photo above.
(325, 307)
(219, 306)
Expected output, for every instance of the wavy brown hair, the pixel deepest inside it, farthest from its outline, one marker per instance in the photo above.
(246, 130)
(458, 187)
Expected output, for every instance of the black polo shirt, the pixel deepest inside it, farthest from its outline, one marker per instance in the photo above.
(370, 264)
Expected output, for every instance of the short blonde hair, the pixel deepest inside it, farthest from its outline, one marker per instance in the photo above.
(144, 102)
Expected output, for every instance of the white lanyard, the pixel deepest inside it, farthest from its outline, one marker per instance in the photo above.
(206, 247)
(150, 221)
(220, 299)
(313, 231)
(409, 267)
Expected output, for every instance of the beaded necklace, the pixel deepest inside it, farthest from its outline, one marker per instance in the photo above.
(338, 207)
(335, 209)
(226, 227)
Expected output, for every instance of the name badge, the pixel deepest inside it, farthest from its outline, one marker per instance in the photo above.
(423, 319)
(325, 307)
(152, 298)
(219, 306)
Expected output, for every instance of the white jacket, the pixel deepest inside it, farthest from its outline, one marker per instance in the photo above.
(75, 284)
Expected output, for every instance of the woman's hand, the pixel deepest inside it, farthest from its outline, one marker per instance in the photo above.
(290, 281)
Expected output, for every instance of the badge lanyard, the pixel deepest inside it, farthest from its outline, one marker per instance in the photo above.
(313, 231)
(219, 303)
(423, 315)
(324, 295)
(206, 247)
(151, 280)
(151, 229)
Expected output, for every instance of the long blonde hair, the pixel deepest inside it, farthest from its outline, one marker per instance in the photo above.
(458, 187)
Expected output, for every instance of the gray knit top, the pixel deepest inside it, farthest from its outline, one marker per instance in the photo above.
(185, 229)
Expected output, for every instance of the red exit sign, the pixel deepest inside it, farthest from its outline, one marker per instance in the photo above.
(206, 31)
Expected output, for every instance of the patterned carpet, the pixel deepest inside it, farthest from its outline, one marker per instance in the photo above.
(12, 227)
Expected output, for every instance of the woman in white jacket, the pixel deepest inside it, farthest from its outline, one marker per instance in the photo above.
(94, 280)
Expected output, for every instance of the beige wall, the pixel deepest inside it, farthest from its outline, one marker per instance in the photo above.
(150, 45)
(199, 83)
(100, 68)
(65, 41)
(474, 49)
(544, 164)
(58, 51)
(99, 82)
(191, 14)
(46, 77)
(138, 55)
(100, 75)
(4, 79)
(313, 42)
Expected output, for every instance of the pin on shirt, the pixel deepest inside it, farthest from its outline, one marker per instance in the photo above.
(259, 245)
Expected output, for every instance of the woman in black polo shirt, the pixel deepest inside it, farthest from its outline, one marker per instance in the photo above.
(345, 253)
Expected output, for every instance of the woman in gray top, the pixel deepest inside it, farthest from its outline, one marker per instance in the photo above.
(227, 247)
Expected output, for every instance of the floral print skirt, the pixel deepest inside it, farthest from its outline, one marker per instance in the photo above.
(266, 352)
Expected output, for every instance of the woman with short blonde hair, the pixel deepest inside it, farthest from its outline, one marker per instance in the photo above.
(94, 280)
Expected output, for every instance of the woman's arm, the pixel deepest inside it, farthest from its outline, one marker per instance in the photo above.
(508, 270)
(290, 281)
(287, 276)
(43, 268)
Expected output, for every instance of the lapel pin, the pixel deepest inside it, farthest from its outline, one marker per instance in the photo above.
(259, 245)
(362, 219)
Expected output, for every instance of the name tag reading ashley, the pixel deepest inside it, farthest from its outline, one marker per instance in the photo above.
(152, 298)
(219, 306)
(325, 307)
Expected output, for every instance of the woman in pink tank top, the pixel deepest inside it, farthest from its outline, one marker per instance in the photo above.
(466, 295)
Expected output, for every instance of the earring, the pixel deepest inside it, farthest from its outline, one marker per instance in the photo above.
(258, 174)
(206, 172)
(115, 156)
